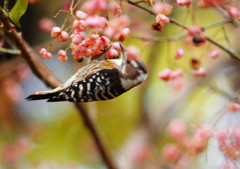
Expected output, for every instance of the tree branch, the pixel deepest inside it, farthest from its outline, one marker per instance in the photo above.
(230, 52)
(43, 73)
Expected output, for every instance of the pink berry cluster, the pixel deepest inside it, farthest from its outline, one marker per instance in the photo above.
(184, 2)
(162, 10)
(174, 78)
(234, 107)
(197, 35)
(234, 12)
(229, 142)
(186, 143)
(90, 33)
(207, 3)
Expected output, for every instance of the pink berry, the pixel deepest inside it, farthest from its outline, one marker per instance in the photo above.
(80, 14)
(162, 19)
(234, 12)
(63, 36)
(56, 31)
(133, 52)
(192, 30)
(115, 9)
(48, 56)
(96, 22)
(234, 107)
(203, 132)
(179, 53)
(214, 54)
(79, 25)
(176, 73)
(43, 51)
(184, 2)
(62, 55)
(201, 72)
(45, 54)
(171, 152)
(176, 83)
(177, 129)
(165, 74)
(112, 53)
(162, 8)
(46, 25)
(222, 137)
(116, 46)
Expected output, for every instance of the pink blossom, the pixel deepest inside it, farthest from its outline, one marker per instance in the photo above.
(177, 129)
(115, 9)
(117, 29)
(80, 15)
(56, 31)
(171, 152)
(141, 153)
(46, 25)
(195, 145)
(120, 22)
(162, 8)
(112, 53)
(203, 132)
(165, 74)
(222, 138)
(63, 36)
(91, 7)
(133, 53)
(184, 2)
(206, 3)
(77, 37)
(214, 54)
(162, 19)
(236, 132)
(45, 54)
(79, 25)
(116, 46)
(176, 83)
(90, 47)
(12, 90)
(234, 107)
(176, 73)
(10, 154)
(201, 72)
(229, 142)
(96, 22)
(62, 55)
(234, 12)
(192, 30)
(179, 53)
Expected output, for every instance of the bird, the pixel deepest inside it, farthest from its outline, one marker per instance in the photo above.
(98, 80)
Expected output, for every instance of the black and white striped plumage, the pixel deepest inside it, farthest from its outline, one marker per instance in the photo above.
(98, 80)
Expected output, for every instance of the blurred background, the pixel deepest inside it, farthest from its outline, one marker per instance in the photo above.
(136, 126)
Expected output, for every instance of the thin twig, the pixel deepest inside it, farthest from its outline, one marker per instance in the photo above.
(152, 13)
(226, 37)
(10, 51)
(42, 72)
(5, 5)
(216, 24)
(229, 51)
(162, 39)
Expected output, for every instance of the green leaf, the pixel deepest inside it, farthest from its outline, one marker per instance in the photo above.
(18, 11)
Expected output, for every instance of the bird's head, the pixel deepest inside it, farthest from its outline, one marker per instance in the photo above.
(133, 61)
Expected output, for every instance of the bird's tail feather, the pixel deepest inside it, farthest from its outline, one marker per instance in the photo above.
(41, 96)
